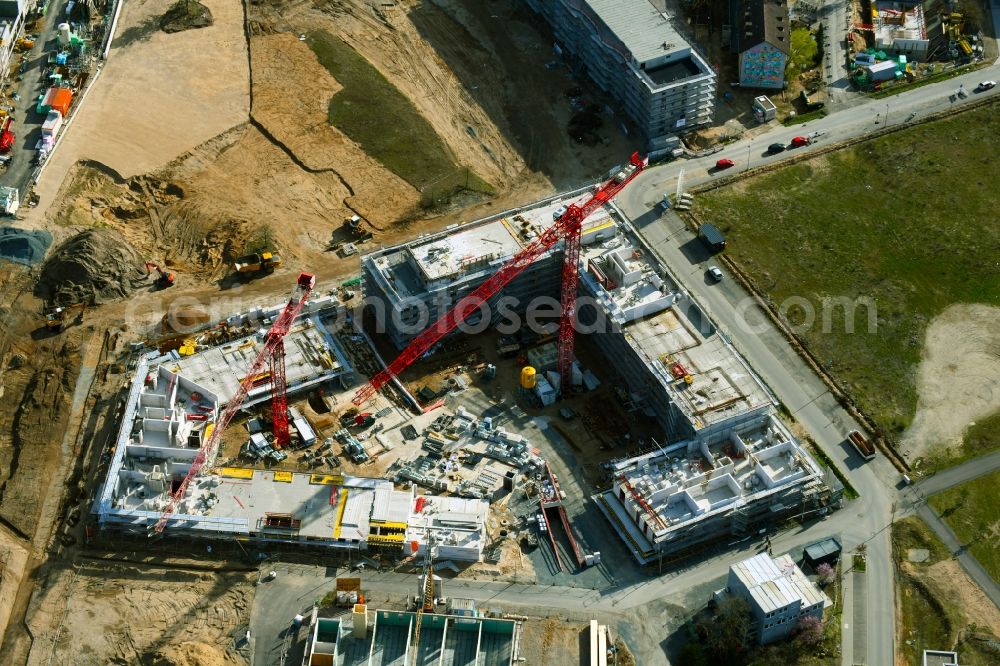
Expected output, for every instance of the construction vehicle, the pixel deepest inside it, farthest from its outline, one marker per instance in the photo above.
(7, 136)
(272, 354)
(567, 229)
(59, 318)
(353, 225)
(163, 278)
(861, 444)
(262, 262)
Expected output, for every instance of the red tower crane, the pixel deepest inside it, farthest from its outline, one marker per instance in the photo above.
(273, 355)
(567, 228)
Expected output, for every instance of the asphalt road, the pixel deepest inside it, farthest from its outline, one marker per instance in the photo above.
(27, 123)
(766, 350)
(804, 394)
(953, 476)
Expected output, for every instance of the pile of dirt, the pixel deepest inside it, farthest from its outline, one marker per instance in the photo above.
(186, 15)
(94, 266)
(22, 246)
(191, 653)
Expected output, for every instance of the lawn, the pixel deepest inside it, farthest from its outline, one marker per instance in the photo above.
(383, 121)
(972, 510)
(905, 222)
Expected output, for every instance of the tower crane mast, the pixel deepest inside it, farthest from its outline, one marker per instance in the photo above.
(567, 228)
(272, 354)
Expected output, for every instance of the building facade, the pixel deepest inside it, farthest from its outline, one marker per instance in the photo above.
(761, 35)
(636, 55)
(12, 14)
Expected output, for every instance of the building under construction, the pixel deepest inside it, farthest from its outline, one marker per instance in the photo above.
(677, 368)
(736, 464)
(722, 486)
(173, 403)
(382, 637)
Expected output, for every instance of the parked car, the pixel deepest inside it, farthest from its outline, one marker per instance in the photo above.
(800, 141)
(775, 148)
(715, 273)
(986, 85)
(724, 164)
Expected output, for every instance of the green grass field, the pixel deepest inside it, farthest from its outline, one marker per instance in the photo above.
(383, 121)
(972, 510)
(907, 220)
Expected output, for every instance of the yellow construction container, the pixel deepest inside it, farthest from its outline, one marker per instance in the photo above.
(528, 378)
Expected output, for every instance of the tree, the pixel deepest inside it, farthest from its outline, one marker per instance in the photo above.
(809, 630)
(826, 574)
(802, 54)
(727, 635)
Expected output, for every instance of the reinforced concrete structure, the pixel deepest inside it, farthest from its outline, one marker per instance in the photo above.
(173, 403)
(734, 464)
(638, 56)
(900, 28)
(678, 369)
(778, 593)
(721, 486)
(389, 638)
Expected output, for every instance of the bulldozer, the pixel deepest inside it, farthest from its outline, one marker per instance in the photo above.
(60, 318)
(353, 225)
(263, 262)
(163, 278)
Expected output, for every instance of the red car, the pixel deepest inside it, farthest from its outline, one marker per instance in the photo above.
(724, 164)
(800, 141)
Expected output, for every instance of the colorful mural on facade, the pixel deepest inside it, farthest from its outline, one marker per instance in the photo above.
(763, 66)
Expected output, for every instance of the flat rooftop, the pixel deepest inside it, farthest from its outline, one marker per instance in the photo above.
(707, 379)
(776, 583)
(174, 402)
(646, 32)
(311, 355)
(467, 250)
(673, 71)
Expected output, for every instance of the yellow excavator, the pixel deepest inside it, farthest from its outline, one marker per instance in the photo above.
(60, 318)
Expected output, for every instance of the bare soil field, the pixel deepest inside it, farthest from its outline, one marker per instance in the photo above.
(100, 614)
(159, 95)
(958, 379)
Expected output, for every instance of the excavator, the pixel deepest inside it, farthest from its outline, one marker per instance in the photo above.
(58, 319)
(163, 278)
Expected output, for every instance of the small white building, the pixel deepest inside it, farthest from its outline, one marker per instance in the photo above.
(778, 592)
(454, 525)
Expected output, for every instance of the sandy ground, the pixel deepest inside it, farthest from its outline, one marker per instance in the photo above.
(104, 614)
(959, 379)
(159, 95)
(13, 557)
(949, 579)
